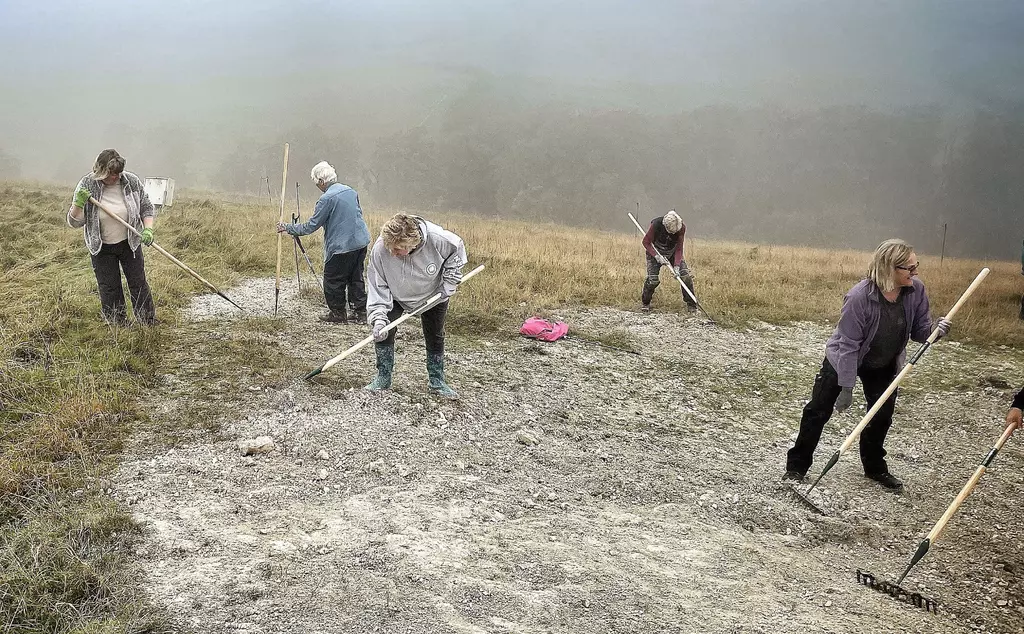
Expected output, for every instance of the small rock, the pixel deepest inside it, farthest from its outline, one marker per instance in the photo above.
(1002, 603)
(524, 437)
(260, 445)
(322, 474)
(323, 455)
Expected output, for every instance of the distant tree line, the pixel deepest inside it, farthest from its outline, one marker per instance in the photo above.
(834, 176)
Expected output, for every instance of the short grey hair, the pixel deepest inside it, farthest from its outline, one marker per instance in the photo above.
(888, 256)
(323, 171)
(672, 222)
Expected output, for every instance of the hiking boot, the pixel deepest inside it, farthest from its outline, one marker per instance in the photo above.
(645, 308)
(334, 317)
(886, 479)
(435, 376)
(794, 475)
(385, 366)
(690, 308)
(359, 317)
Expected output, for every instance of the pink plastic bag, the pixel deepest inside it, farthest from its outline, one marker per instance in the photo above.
(537, 328)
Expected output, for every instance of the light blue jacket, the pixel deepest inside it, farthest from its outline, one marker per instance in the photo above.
(338, 212)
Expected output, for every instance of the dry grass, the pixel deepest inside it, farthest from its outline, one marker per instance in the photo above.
(70, 387)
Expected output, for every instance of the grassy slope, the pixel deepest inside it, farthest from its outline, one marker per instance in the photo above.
(71, 389)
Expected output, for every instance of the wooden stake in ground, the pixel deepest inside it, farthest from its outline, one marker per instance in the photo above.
(933, 535)
(427, 305)
(895, 383)
(280, 237)
(161, 250)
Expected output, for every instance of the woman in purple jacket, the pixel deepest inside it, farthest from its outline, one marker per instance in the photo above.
(879, 315)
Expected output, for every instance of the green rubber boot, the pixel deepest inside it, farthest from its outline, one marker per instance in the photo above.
(435, 374)
(385, 365)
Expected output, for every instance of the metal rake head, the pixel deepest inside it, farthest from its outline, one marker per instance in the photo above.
(897, 592)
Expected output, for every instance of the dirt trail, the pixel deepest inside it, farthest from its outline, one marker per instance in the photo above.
(573, 488)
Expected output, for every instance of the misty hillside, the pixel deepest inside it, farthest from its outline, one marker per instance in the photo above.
(802, 122)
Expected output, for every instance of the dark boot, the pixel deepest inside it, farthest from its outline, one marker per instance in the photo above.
(886, 479)
(334, 317)
(435, 374)
(648, 294)
(385, 366)
(359, 317)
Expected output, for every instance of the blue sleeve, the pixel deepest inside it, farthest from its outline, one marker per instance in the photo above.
(320, 215)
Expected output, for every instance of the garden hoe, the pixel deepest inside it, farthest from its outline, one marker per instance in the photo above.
(895, 590)
(907, 368)
(679, 279)
(284, 185)
(427, 305)
(159, 249)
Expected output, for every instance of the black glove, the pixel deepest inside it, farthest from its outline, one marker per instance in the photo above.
(845, 399)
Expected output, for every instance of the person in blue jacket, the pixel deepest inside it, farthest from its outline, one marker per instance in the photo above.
(345, 240)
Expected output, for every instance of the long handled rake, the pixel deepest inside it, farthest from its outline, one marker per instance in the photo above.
(284, 186)
(679, 279)
(295, 246)
(159, 249)
(896, 590)
(309, 263)
(298, 245)
(427, 305)
(936, 531)
(907, 368)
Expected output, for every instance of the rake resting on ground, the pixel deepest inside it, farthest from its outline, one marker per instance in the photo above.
(933, 535)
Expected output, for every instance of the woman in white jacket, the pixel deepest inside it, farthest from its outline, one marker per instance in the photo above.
(412, 260)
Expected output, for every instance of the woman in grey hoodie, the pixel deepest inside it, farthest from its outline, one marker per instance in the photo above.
(411, 261)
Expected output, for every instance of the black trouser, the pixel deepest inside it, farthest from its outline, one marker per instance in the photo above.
(433, 326)
(819, 410)
(108, 264)
(344, 271)
(652, 280)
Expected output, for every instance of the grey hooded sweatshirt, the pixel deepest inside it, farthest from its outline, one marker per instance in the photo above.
(434, 266)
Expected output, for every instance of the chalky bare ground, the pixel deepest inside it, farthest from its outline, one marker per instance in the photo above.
(573, 488)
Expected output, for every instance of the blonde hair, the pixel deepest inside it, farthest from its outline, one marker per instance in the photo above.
(401, 232)
(672, 222)
(108, 162)
(888, 256)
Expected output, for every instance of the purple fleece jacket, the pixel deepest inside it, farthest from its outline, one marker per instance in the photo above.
(858, 324)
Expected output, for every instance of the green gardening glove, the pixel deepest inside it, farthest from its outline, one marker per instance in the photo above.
(82, 197)
(147, 236)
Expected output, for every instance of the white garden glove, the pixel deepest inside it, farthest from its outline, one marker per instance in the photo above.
(943, 327)
(661, 259)
(378, 331)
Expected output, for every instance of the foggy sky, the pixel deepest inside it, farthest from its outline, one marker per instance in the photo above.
(77, 77)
